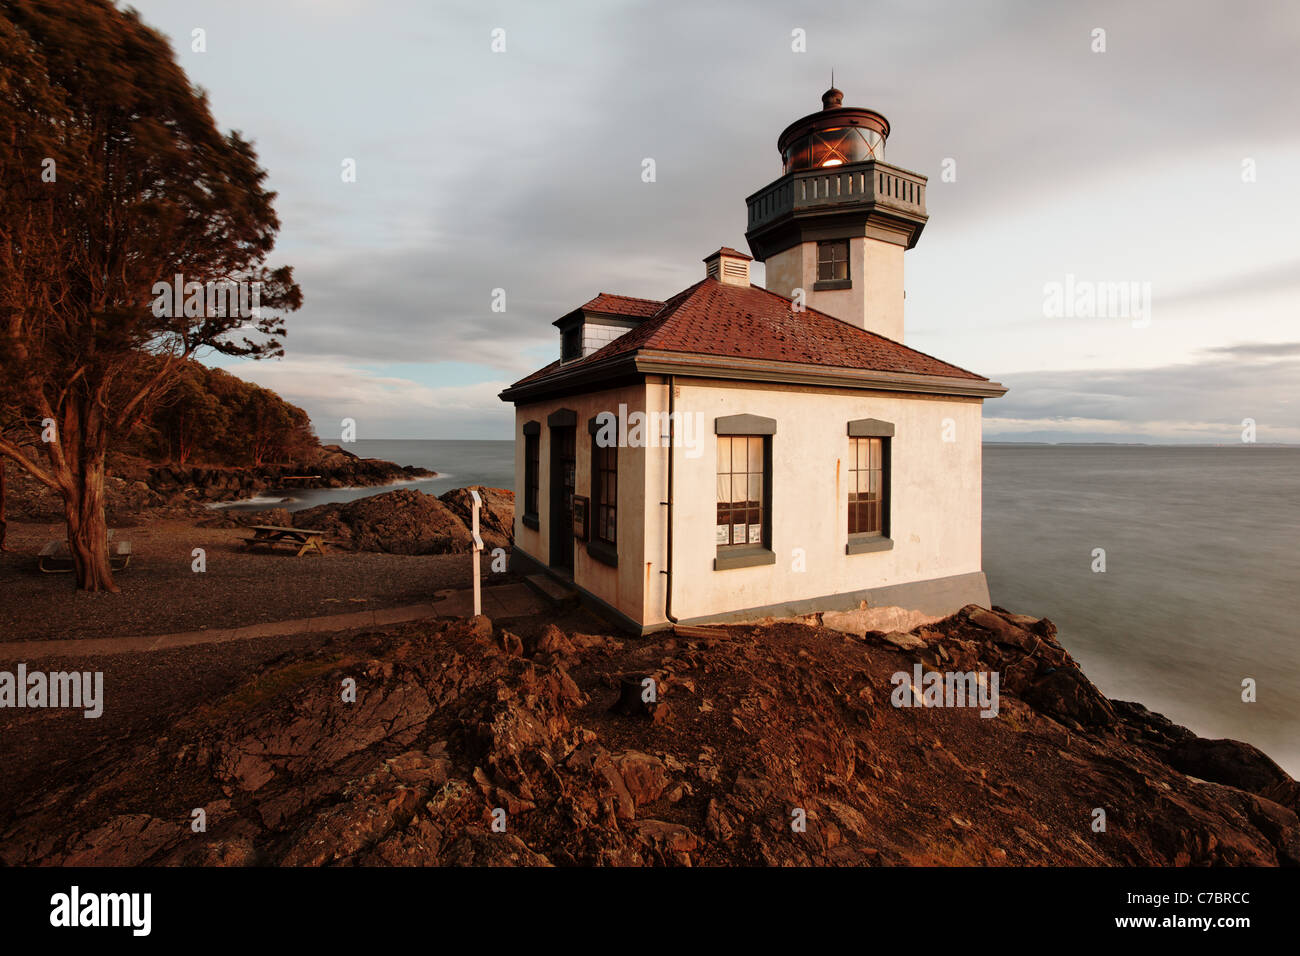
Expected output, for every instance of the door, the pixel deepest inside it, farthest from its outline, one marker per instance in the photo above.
(564, 468)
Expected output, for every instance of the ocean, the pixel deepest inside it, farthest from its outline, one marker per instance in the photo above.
(1201, 587)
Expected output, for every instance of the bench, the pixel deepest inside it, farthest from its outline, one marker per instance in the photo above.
(56, 556)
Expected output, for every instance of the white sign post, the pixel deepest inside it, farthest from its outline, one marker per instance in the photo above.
(478, 546)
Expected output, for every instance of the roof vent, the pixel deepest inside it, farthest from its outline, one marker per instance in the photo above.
(729, 266)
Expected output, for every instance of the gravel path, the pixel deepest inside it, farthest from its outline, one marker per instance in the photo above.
(161, 593)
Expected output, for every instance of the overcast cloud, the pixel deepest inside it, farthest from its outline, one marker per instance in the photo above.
(521, 171)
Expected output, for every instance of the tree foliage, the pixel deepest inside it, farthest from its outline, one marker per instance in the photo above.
(113, 178)
(211, 417)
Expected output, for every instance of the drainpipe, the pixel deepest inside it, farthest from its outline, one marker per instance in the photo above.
(668, 564)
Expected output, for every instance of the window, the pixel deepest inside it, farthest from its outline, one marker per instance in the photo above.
(833, 260)
(532, 469)
(866, 486)
(604, 492)
(743, 527)
(867, 473)
(602, 516)
(571, 343)
(742, 491)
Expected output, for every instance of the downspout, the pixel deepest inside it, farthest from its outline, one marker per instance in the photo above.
(668, 563)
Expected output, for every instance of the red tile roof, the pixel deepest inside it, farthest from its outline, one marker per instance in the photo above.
(623, 305)
(720, 319)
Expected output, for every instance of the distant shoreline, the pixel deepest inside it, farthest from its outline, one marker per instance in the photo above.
(288, 497)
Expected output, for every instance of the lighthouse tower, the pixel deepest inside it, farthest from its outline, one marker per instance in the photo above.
(837, 221)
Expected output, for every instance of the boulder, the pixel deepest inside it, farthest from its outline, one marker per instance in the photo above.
(1004, 632)
(644, 776)
(496, 516)
(1065, 694)
(397, 522)
(1229, 762)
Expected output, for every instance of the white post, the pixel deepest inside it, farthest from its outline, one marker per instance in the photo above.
(478, 547)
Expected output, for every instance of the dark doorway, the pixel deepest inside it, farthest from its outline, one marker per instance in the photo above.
(563, 473)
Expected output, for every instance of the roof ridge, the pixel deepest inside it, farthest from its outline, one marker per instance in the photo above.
(634, 298)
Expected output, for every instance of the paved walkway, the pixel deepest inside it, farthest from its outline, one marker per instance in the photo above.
(504, 601)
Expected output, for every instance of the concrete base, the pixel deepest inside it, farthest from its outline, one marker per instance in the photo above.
(897, 607)
(917, 601)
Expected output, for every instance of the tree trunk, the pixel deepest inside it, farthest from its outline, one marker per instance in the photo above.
(88, 527)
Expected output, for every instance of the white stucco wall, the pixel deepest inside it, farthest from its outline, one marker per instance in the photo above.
(935, 497)
(621, 587)
(875, 301)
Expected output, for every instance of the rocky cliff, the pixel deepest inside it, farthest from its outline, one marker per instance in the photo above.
(776, 744)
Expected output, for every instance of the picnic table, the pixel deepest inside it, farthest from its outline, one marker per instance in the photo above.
(56, 557)
(272, 536)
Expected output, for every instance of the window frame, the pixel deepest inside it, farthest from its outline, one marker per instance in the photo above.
(864, 542)
(532, 474)
(603, 549)
(743, 555)
(833, 281)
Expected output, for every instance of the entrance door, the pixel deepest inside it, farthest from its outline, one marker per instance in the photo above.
(564, 467)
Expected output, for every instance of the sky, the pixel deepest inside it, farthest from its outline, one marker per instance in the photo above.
(1167, 161)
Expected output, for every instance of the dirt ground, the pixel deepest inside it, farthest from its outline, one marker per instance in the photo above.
(161, 593)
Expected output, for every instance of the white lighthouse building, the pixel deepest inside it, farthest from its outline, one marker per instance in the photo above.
(735, 452)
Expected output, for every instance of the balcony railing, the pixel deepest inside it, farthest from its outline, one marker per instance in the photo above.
(860, 184)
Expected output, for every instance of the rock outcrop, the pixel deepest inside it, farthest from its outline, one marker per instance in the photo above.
(469, 744)
(404, 521)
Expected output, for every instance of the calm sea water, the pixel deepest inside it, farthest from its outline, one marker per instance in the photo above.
(1202, 580)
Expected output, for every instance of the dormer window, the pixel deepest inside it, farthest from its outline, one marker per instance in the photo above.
(571, 344)
(589, 328)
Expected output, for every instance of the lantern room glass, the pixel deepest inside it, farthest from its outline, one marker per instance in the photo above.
(834, 147)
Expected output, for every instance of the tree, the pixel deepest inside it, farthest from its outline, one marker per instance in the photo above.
(191, 418)
(115, 181)
(274, 429)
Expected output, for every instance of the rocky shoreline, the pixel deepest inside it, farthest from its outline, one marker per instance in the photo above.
(333, 468)
(136, 489)
(479, 743)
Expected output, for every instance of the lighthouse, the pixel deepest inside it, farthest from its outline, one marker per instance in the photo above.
(832, 229)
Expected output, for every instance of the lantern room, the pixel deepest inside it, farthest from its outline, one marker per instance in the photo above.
(836, 136)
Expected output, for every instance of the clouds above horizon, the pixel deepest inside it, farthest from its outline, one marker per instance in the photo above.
(1203, 401)
(521, 171)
